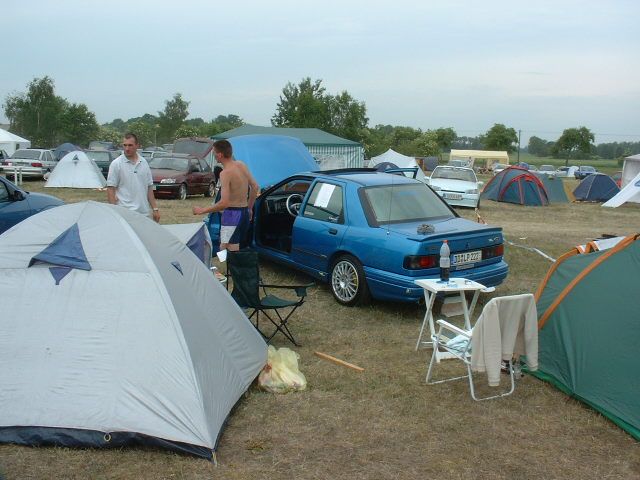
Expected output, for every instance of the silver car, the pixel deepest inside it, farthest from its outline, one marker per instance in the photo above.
(31, 162)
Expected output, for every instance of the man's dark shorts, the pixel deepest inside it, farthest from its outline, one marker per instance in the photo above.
(234, 225)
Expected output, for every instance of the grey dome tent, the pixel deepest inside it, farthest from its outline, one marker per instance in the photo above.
(76, 170)
(118, 334)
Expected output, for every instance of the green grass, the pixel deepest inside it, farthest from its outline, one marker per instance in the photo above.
(385, 422)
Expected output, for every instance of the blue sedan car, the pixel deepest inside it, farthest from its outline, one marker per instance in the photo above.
(371, 234)
(17, 204)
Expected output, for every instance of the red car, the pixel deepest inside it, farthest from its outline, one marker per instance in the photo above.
(176, 176)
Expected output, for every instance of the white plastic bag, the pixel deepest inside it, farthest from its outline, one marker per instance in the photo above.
(281, 373)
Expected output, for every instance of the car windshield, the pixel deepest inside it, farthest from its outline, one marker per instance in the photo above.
(588, 169)
(454, 174)
(26, 154)
(168, 163)
(98, 156)
(404, 203)
(192, 147)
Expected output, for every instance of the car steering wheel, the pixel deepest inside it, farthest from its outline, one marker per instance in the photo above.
(293, 204)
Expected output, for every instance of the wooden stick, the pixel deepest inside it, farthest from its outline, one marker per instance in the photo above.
(339, 362)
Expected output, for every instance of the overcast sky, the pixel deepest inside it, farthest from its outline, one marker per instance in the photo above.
(539, 66)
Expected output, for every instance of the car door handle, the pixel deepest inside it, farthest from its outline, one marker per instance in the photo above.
(333, 231)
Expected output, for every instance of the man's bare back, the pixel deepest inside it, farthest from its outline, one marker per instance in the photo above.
(235, 180)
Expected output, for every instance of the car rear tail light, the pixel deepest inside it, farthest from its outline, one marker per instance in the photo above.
(492, 252)
(36, 164)
(417, 262)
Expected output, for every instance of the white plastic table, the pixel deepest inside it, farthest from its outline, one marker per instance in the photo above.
(431, 288)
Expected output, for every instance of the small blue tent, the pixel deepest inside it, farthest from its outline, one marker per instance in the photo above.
(272, 158)
(516, 185)
(596, 187)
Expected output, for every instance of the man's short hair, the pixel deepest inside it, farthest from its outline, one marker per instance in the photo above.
(223, 147)
(130, 135)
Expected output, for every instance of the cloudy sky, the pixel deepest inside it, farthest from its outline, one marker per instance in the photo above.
(539, 67)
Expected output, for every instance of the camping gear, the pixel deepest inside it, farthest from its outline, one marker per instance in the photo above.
(395, 158)
(329, 151)
(195, 236)
(629, 193)
(272, 158)
(10, 142)
(117, 334)
(597, 187)
(506, 329)
(76, 170)
(281, 373)
(589, 330)
(244, 270)
(516, 185)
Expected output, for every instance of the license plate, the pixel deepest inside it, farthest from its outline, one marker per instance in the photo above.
(452, 196)
(467, 257)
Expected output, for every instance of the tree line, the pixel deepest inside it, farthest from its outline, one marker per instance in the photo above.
(48, 120)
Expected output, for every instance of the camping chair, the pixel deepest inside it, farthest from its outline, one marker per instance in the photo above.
(506, 328)
(245, 273)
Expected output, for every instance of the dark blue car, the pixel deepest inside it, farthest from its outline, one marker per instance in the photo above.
(17, 204)
(371, 234)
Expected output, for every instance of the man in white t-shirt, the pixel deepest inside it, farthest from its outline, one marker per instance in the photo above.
(129, 183)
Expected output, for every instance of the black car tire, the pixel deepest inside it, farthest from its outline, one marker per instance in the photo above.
(211, 189)
(182, 192)
(348, 285)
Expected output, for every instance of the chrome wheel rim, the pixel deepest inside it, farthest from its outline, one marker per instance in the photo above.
(183, 192)
(212, 189)
(344, 281)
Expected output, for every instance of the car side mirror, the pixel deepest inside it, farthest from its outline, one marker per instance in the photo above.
(17, 196)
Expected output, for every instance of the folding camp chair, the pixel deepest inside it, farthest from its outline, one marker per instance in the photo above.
(243, 268)
(506, 329)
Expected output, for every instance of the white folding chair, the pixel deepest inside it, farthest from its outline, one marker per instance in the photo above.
(506, 328)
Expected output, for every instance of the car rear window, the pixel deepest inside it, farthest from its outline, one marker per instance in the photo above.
(26, 154)
(403, 203)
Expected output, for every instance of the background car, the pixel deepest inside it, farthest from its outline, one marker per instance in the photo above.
(498, 167)
(566, 171)
(547, 170)
(17, 204)
(103, 159)
(102, 145)
(32, 162)
(369, 233)
(459, 186)
(584, 171)
(176, 176)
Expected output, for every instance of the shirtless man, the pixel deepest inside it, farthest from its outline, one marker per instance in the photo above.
(239, 192)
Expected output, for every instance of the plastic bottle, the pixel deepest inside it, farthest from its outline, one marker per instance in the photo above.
(445, 261)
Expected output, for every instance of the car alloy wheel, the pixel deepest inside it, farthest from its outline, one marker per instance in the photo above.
(182, 192)
(211, 189)
(348, 284)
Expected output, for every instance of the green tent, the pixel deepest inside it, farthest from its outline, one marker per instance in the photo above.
(557, 190)
(330, 151)
(589, 329)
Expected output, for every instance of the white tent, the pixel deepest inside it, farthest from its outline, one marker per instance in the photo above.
(630, 169)
(76, 170)
(10, 142)
(391, 156)
(195, 236)
(115, 333)
(629, 193)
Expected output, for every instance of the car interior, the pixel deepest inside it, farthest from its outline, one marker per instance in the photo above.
(278, 211)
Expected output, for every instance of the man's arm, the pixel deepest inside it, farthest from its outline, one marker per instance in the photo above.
(111, 195)
(254, 188)
(154, 206)
(224, 198)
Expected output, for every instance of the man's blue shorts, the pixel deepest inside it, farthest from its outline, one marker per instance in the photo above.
(234, 225)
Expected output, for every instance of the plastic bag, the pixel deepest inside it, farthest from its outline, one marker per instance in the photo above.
(281, 373)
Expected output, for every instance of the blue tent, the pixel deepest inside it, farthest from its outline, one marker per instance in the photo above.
(516, 185)
(596, 187)
(64, 148)
(272, 158)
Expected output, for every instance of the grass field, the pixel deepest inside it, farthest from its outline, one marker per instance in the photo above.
(385, 423)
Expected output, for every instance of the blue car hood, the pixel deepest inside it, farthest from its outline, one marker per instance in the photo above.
(272, 158)
(445, 228)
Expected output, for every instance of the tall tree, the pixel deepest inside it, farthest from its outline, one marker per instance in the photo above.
(175, 112)
(36, 114)
(445, 138)
(573, 140)
(348, 117)
(538, 146)
(78, 125)
(142, 130)
(500, 137)
(303, 106)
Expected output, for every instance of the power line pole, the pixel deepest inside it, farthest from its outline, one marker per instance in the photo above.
(519, 132)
